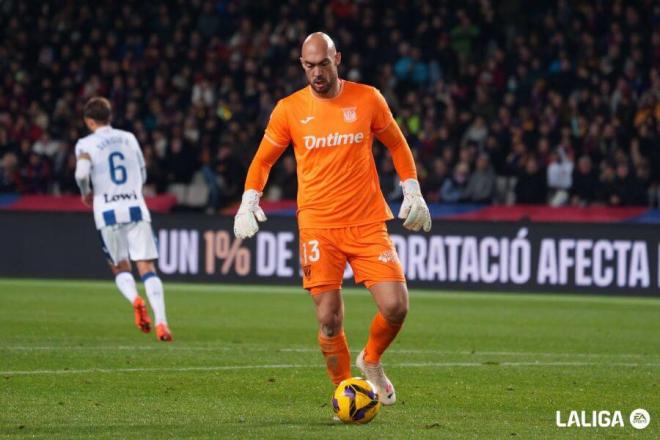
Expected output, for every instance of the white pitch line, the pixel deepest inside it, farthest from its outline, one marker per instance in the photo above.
(151, 369)
(315, 350)
(490, 353)
(118, 348)
(302, 366)
(524, 364)
(442, 294)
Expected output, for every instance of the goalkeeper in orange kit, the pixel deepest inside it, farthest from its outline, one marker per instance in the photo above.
(341, 210)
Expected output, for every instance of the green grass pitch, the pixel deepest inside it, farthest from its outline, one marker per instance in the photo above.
(244, 364)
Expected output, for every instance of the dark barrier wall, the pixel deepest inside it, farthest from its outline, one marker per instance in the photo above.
(541, 257)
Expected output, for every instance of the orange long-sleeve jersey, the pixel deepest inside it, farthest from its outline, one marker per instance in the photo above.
(332, 139)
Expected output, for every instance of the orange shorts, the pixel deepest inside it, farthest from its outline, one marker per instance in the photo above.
(367, 248)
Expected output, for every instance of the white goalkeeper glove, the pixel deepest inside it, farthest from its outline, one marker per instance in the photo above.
(414, 209)
(245, 221)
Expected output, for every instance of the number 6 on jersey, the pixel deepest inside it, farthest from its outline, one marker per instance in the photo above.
(117, 171)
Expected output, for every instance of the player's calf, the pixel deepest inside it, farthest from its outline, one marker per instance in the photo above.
(331, 337)
(155, 292)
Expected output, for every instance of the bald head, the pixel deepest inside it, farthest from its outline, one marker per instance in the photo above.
(319, 59)
(319, 42)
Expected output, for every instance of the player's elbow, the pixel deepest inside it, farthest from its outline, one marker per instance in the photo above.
(393, 145)
(392, 138)
(83, 168)
(264, 161)
(82, 175)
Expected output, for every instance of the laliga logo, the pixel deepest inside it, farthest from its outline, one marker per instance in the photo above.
(639, 419)
(333, 140)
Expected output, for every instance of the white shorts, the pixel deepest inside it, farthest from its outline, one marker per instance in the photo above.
(135, 240)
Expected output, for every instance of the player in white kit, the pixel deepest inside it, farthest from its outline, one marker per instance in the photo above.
(110, 172)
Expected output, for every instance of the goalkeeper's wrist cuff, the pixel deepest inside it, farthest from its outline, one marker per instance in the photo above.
(411, 187)
(251, 197)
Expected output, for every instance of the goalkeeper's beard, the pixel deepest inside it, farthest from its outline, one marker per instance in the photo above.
(324, 86)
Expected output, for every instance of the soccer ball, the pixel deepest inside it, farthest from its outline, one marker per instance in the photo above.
(355, 401)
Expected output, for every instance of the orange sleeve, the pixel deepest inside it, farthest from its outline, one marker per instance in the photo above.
(263, 161)
(276, 139)
(277, 131)
(388, 132)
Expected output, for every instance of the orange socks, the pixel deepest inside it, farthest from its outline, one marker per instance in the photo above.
(335, 348)
(381, 335)
(337, 357)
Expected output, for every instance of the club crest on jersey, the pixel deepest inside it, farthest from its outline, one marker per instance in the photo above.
(350, 114)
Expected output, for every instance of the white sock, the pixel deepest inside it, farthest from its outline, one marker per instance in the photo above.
(154, 287)
(126, 285)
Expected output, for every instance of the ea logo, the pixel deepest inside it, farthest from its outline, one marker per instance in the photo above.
(640, 418)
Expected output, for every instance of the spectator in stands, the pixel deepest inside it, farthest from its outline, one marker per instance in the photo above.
(453, 189)
(46, 146)
(389, 180)
(286, 178)
(481, 185)
(477, 132)
(495, 154)
(434, 181)
(64, 168)
(606, 190)
(545, 154)
(531, 187)
(449, 156)
(156, 180)
(180, 163)
(36, 175)
(410, 69)
(24, 153)
(9, 178)
(5, 145)
(643, 174)
(464, 35)
(560, 176)
(516, 159)
(644, 147)
(585, 183)
(628, 190)
(229, 175)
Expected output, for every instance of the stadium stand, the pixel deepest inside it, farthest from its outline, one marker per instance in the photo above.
(555, 103)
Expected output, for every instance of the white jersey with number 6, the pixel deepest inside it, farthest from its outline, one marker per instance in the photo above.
(117, 173)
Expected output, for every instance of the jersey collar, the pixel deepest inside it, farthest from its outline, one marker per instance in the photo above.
(341, 90)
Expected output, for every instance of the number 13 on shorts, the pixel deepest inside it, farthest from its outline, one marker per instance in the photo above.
(309, 252)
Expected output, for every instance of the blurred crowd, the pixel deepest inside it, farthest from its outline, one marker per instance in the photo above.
(506, 101)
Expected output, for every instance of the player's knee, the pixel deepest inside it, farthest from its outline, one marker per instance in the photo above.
(146, 266)
(330, 323)
(330, 331)
(122, 266)
(395, 311)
